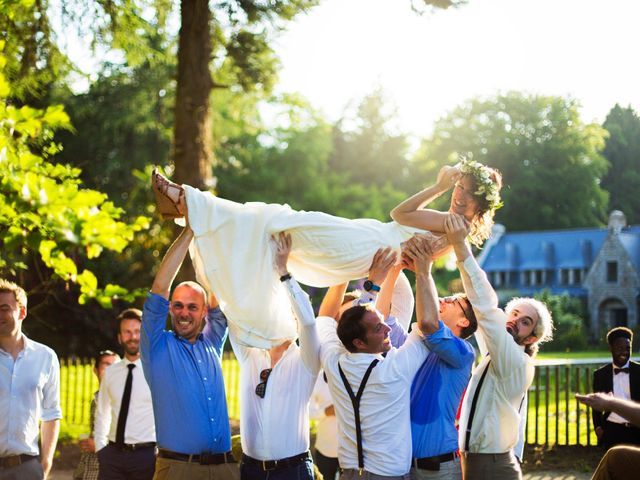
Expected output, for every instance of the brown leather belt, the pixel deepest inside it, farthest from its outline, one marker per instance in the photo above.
(15, 460)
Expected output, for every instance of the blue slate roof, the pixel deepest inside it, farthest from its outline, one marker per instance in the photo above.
(630, 239)
(552, 249)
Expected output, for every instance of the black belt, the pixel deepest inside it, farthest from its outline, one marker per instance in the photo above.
(276, 464)
(202, 459)
(433, 463)
(15, 460)
(132, 447)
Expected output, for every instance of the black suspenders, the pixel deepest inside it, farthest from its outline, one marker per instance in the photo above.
(474, 403)
(355, 400)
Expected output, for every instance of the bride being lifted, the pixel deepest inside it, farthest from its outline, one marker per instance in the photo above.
(233, 255)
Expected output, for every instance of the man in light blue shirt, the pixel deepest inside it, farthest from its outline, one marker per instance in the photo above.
(29, 393)
(441, 380)
(183, 370)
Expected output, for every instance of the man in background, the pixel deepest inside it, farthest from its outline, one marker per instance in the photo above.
(87, 468)
(29, 393)
(621, 377)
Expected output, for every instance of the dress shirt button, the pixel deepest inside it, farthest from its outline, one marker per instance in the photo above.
(204, 378)
(212, 420)
(209, 398)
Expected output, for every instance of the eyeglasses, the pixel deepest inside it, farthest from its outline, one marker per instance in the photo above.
(261, 388)
(465, 306)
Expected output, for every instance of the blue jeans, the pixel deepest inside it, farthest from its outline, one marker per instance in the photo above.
(302, 471)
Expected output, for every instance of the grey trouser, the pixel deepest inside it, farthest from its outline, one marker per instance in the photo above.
(450, 470)
(490, 466)
(352, 474)
(30, 470)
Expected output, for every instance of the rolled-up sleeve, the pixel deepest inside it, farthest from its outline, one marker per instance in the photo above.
(51, 409)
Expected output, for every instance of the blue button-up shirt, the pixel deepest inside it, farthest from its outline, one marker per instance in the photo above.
(186, 382)
(436, 392)
(29, 392)
(437, 389)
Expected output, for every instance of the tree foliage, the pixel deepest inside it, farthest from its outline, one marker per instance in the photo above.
(45, 214)
(622, 150)
(551, 160)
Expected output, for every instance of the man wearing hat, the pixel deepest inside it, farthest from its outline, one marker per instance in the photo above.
(622, 379)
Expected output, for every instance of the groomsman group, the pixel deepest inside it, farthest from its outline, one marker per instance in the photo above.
(394, 394)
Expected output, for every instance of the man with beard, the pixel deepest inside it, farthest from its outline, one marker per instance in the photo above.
(125, 434)
(185, 375)
(490, 415)
(622, 379)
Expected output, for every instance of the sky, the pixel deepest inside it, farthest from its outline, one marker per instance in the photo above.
(428, 64)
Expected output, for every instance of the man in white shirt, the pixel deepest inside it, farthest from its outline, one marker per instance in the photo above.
(490, 414)
(275, 387)
(29, 393)
(125, 435)
(374, 427)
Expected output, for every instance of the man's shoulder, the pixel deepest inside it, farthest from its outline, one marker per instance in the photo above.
(604, 369)
(39, 348)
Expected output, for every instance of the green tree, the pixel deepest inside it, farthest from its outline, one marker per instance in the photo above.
(622, 150)
(551, 161)
(52, 230)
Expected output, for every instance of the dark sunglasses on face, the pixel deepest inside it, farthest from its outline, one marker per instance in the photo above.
(261, 388)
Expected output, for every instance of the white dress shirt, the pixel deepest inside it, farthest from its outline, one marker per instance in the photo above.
(384, 406)
(140, 427)
(277, 426)
(621, 389)
(29, 392)
(327, 432)
(496, 420)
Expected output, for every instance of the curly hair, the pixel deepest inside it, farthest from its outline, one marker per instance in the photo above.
(483, 219)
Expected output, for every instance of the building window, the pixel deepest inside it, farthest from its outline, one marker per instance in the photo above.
(564, 276)
(537, 277)
(577, 276)
(503, 278)
(612, 272)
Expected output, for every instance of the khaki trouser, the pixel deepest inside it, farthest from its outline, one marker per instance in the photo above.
(619, 462)
(169, 469)
(490, 466)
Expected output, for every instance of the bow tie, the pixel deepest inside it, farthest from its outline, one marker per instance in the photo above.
(620, 370)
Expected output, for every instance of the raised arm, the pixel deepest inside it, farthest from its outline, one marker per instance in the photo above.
(171, 263)
(332, 301)
(419, 251)
(411, 212)
(309, 340)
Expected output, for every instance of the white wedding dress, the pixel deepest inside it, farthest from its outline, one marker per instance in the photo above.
(233, 257)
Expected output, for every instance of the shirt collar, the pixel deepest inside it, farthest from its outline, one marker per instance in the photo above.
(626, 365)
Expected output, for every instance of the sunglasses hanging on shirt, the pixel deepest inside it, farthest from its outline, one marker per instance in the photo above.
(261, 388)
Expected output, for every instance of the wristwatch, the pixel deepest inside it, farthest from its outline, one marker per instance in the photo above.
(369, 286)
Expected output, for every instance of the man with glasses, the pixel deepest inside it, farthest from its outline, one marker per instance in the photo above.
(490, 414)
(441, 380)
(184, 373)
(275, 388)
(370, 381)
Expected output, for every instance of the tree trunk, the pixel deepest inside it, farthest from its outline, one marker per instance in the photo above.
(192, 142)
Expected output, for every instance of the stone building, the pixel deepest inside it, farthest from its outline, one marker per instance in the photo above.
(599, 265)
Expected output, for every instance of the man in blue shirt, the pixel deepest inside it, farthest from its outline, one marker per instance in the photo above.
(441, 380)
(183, 370)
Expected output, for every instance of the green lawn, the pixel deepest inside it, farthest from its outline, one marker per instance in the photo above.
(572, 355)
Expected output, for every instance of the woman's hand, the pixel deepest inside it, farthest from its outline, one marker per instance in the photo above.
(448, 176)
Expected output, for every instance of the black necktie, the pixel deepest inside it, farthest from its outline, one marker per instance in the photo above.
(617, 370)
(124, 406)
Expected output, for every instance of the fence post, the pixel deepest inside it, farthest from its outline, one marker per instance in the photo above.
(567, 379)
(546, 406)
(557, 382)
(577, 407)
(537, 402)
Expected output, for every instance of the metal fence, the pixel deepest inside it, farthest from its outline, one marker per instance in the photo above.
(554, 416)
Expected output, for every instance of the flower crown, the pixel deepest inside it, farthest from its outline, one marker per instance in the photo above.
(486, 187)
